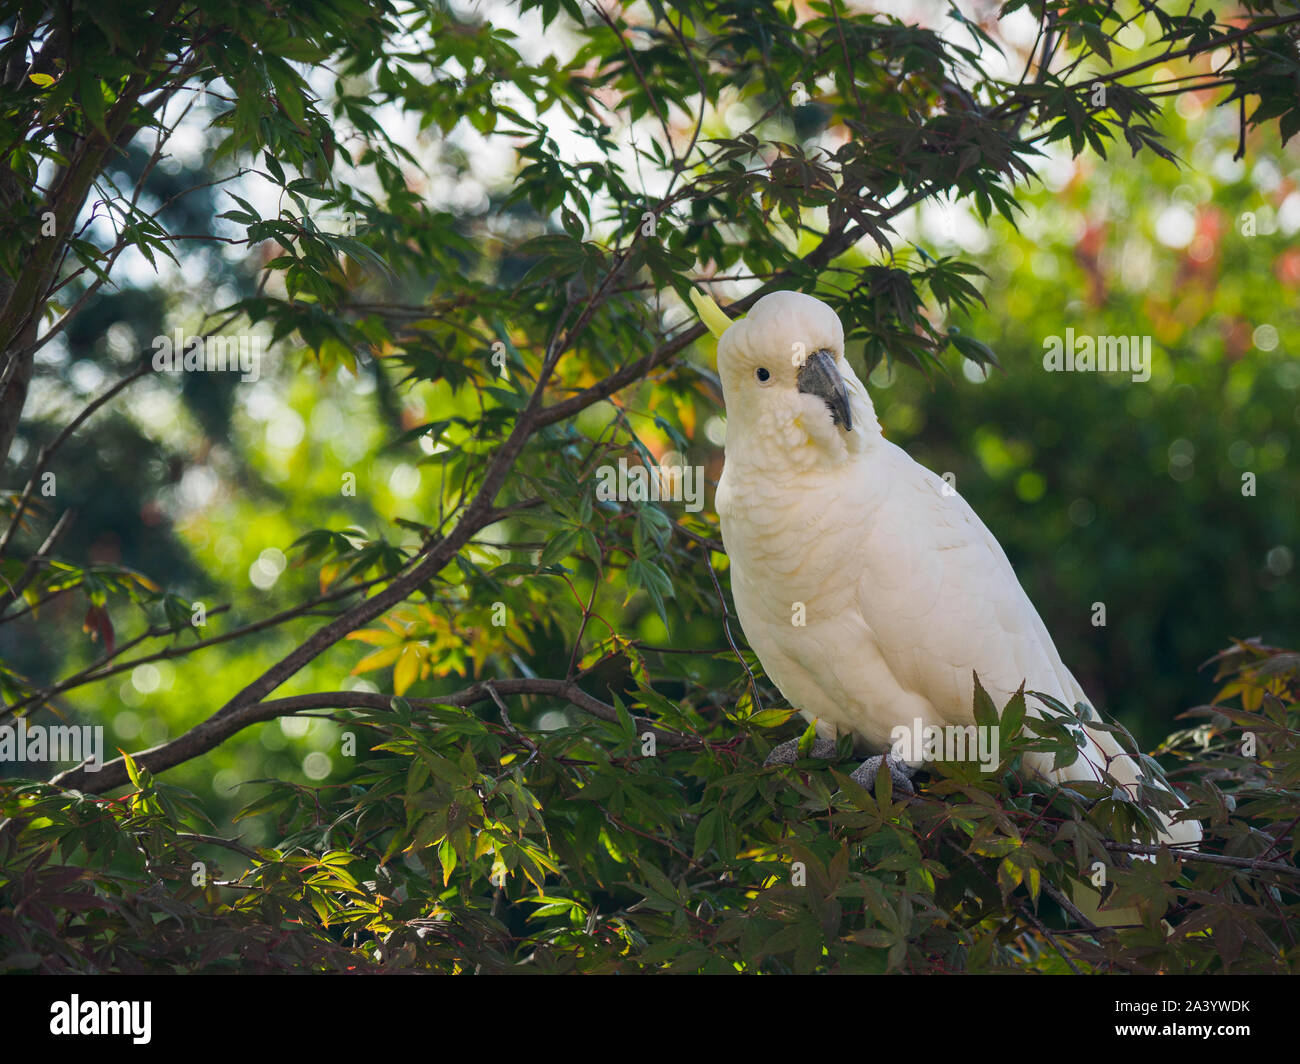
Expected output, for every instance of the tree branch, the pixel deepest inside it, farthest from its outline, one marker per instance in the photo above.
(220, 727)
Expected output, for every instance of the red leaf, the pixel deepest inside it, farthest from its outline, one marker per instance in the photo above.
(100, 626)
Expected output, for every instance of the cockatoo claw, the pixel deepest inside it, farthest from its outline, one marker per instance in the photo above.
(787, 753)
(899, 771)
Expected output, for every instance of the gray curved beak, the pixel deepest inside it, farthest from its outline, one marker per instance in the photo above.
(818, 376)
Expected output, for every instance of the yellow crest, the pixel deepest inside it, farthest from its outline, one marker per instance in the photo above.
(710, 313)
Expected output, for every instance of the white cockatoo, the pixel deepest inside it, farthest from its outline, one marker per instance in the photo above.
(866, 585)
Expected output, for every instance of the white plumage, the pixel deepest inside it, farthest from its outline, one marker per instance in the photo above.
(902, 590)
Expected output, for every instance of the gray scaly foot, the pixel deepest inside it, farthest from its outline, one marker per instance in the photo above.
(788, 752)
(899, 772)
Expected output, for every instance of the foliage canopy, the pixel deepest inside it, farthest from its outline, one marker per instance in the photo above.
(492, 243)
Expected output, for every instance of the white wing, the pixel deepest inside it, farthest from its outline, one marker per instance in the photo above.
(941, 597)
(942, 600)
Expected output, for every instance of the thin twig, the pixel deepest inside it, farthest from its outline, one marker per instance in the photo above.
(1046, 932)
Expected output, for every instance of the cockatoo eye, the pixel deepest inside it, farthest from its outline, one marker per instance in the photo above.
(762, 375)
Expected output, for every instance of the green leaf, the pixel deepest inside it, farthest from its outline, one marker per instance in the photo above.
(91, 94)
(986, 714)
(806, 740)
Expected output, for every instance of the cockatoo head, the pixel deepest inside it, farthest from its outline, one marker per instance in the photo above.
(785, 380)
